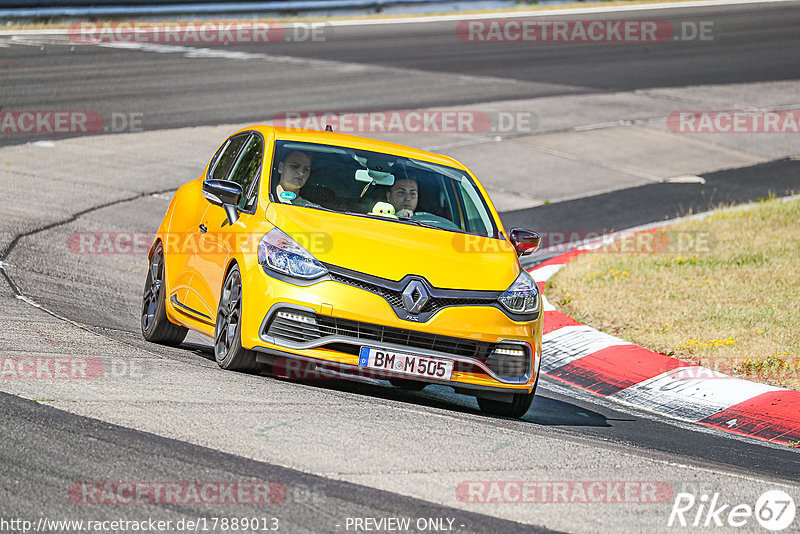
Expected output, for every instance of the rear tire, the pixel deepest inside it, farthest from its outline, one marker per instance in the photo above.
(228, 351)
(156, 327)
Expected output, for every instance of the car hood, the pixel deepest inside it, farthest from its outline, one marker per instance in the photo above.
(392, 250)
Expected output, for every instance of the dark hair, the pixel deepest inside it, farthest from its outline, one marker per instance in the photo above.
(292, 151)
(407, 179)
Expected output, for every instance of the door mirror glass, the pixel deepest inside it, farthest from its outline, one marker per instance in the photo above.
(524, 241)
(221, 192)
(226, 194)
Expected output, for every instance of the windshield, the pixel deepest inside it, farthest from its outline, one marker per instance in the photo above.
(372, 184)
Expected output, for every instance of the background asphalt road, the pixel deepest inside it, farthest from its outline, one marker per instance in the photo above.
(372, 447)
(90, 451)
(402, 66)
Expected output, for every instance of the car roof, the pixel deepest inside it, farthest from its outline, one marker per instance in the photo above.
(353, 141)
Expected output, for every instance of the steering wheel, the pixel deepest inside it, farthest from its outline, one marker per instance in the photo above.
(435, 220)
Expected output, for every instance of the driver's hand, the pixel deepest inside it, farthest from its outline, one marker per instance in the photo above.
(405, 213)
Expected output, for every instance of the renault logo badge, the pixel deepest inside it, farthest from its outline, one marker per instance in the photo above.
(415, 296)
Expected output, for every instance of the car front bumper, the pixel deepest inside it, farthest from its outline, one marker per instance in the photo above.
(338, 319)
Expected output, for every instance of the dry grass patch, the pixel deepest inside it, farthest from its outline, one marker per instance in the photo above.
(726, 295)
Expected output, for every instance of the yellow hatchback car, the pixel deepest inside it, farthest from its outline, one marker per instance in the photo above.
(348, 256)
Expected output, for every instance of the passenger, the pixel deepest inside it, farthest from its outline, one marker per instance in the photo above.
(294, 171)
(404, 195)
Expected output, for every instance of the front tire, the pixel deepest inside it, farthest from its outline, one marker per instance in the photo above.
(156, 327)
(228, 351)
(408, 385)
(515, 409)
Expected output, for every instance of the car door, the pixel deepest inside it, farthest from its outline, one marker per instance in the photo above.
(221, 239)
(196, 259)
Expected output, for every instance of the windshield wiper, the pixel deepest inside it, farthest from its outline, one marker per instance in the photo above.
(426, 225)
(418, 223)
(318, 207)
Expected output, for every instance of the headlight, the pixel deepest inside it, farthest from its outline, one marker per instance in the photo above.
(523, 295)
(281, 253)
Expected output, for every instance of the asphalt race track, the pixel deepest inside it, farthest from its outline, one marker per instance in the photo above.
(412, 66)
(343, 450)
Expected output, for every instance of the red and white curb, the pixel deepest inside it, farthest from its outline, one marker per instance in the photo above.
(607, 366)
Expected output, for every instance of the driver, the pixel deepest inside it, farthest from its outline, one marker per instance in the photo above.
(294, 171)
(403, 195)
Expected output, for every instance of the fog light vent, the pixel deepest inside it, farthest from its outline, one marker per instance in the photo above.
(510, 360)
(293, 325)
(297, 317)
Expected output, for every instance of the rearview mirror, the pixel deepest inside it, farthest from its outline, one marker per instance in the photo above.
(224, 193)
(374, 177)
(524, 241)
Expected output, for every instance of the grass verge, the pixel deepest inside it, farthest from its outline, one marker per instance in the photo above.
(722, 291)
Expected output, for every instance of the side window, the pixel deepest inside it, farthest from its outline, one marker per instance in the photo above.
(478, 219)
(247, 171)
(471, 215)
(226, 157)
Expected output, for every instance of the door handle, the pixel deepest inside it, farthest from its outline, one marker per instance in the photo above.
(203, 228)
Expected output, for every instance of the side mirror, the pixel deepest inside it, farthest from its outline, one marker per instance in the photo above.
(224, 193)
(524, 241)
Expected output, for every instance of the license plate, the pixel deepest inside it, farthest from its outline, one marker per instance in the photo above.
(407, 364)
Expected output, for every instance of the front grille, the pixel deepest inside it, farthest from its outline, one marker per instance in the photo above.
(395, 297)
(293, 326)
(297, 330)
(435, 304)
